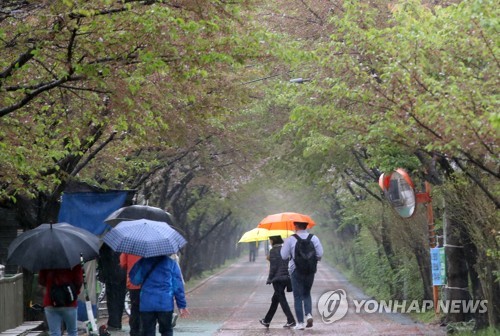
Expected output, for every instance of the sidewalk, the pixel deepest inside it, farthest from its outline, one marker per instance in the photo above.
(231, 303)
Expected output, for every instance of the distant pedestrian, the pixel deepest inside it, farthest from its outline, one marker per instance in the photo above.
(252, 251)
(127, 261)
(302, 281)
(280, 279)
(67, 312)
(161, 283)
(115, 279)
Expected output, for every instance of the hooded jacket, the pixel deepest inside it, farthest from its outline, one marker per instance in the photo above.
(162, 285)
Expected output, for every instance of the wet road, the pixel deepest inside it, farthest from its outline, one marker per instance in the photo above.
(231, 303)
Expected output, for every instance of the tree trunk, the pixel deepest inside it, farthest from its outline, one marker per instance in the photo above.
(423, 261)
(491, 288)
(457, 272)
(470, 251)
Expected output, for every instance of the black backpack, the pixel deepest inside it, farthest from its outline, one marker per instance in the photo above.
(63, 295)
(305, 255)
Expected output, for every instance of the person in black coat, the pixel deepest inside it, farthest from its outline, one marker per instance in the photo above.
(115, 279)
(279, 278)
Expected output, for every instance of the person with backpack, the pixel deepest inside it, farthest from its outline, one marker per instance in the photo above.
(304, 251)
(62, 287)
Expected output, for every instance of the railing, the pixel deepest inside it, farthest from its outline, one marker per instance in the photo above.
(11, 301)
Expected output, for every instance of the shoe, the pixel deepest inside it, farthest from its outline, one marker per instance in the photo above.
(309, 320)
(289, 325)
(299, 326)
(264, 323)
(103, 331)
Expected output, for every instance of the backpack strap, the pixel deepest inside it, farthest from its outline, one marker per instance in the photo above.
(151, 270)
(298, 239)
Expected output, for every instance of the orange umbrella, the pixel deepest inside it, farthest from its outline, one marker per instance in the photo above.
(284, 221)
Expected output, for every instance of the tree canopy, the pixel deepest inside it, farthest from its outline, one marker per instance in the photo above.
(121, 81)
(223, 112)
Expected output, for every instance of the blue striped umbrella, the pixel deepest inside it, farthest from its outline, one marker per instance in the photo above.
(145, 238)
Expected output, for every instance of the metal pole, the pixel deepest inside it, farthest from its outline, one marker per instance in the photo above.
(432, 240)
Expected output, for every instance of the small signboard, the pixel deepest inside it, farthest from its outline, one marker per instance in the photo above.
(438, 264)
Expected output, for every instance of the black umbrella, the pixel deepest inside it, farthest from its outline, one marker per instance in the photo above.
(53, 246)
(133, 212)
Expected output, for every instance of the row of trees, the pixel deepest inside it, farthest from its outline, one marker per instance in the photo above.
(408, 85)
(127, 94)
(191, 103)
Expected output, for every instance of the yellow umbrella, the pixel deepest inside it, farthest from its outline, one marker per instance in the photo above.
(259, 234)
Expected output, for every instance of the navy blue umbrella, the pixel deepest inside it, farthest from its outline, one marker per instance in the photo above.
(53, 246)
(145, 238)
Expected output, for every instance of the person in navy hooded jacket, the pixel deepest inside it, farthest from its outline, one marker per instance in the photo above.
(161, 283)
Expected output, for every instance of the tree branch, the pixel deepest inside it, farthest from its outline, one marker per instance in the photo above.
(92, 155)
(21, 60)
(31, 95)
(478, 182)
(219, 222)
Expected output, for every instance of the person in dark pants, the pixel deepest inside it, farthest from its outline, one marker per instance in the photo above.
(279, 278)
(127, 261)
(161, 289)
(115, 279)
(301, 283)
(252, 251)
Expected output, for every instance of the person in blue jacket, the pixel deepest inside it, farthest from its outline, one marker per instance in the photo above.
(161, 282)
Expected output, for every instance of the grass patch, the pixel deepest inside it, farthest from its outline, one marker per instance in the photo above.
(467, 329)
(426, 317)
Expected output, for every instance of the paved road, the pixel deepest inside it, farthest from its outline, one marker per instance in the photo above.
(232, 302)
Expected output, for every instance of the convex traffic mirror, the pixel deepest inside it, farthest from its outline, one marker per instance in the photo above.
(399, 190)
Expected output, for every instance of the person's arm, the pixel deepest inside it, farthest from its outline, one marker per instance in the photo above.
(318, 247)
(274, 260)
(179, 294)
(123, 260)
(286, 250)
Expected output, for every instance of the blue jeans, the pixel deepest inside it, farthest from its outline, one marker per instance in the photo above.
(301, 285)
(148, 321)
(56, 316)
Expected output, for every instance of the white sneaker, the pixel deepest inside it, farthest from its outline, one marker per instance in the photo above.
(299, 326)
(309, 320)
